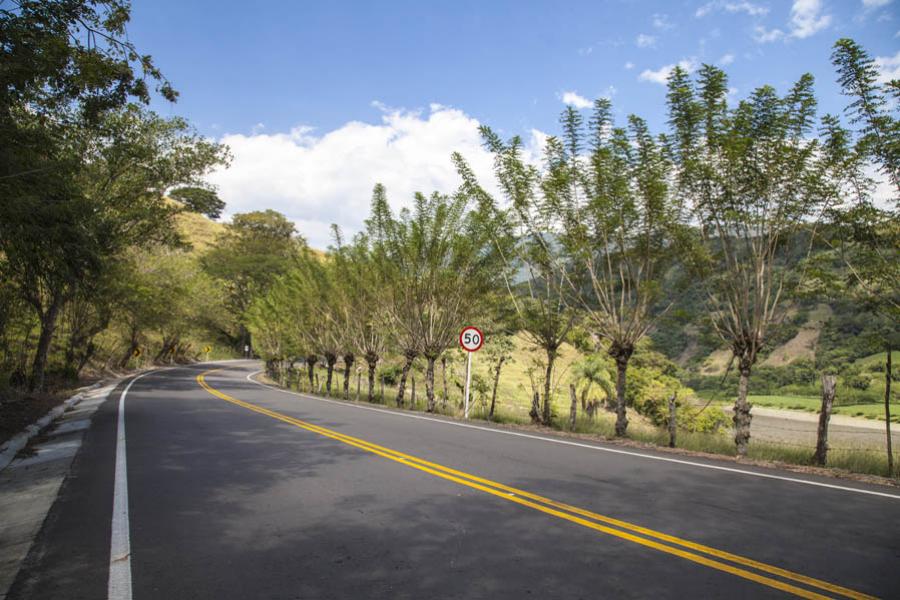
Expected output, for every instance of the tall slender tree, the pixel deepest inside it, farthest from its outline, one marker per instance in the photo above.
(753, 175)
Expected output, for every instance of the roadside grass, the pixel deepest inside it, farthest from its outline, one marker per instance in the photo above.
(866, 461)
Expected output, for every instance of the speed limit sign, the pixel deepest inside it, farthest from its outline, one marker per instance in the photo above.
(471, 339)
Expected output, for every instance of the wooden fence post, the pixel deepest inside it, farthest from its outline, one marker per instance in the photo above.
(573, 410)
(821, 455)
(673, 422)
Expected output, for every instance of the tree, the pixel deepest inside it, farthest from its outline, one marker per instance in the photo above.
(498, 351)
(879, 133)
(442, 266)
(862, 236)
(364, 305)
(66, 66)
(753, 177)
(527, 243)
(200, 200)
(619, 227)
(108, 198)
(256, 248)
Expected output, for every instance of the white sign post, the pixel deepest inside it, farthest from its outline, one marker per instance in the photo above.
(470, 339)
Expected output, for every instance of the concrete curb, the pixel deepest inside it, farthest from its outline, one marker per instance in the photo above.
(12, 446)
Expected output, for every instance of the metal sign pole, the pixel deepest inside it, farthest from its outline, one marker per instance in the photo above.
(468, 380)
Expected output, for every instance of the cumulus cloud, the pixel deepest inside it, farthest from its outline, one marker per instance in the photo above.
(888, 67)
(875, 3)
(807, 18)
(645, 41)
(319, 179)
(726, 59)
(576, 100)
(754, 10)
(661, 75)
(630, 65)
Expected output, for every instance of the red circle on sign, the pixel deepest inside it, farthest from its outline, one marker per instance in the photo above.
(480, 339)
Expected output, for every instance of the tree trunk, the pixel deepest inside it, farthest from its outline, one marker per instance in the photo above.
(444, 376)
(372, 362)
(132, 346)
(821, 455)
(742, 416)
(330, 361)
(412, 396)
(401, 388)
(887, 411)
(548, 385)
(429, 384)
(39, 365)
(86, 356)
(673, 422)
(348, 363)
(535, 412)
(496, 383)
(573, 409)
(621, 415)
(311, 369)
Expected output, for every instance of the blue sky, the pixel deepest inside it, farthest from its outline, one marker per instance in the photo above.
(370, 91)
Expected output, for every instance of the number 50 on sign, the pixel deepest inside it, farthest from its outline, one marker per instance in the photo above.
(471, 339)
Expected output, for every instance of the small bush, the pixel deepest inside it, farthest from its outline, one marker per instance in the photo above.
(390, 374)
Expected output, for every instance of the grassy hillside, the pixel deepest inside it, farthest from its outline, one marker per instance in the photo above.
(200, 231)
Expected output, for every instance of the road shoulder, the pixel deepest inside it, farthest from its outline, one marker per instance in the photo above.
(29, 485)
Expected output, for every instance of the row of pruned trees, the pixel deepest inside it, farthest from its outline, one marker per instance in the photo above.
(606, 231)
(406, 284)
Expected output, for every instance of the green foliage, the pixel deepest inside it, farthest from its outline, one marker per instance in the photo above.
(255, 250)
(200, 200)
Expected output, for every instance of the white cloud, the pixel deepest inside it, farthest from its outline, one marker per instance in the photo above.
(754, 10)
(574, 99)
(807, 18)
(585, 51)
(888, 67)
(661, 75)
(662, 22)
(645, 41)
(726, 59)
(764, 36)
(875, 3)
(316, 180)
(630, 65)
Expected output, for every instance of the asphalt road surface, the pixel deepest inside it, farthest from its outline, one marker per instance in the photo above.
(228, 489)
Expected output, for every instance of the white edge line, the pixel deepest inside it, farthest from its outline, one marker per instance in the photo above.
(119, 586)
(579, 445)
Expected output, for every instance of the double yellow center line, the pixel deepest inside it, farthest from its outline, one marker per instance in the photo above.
(694, 552)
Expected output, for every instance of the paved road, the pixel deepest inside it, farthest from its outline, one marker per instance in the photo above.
(240, 491)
